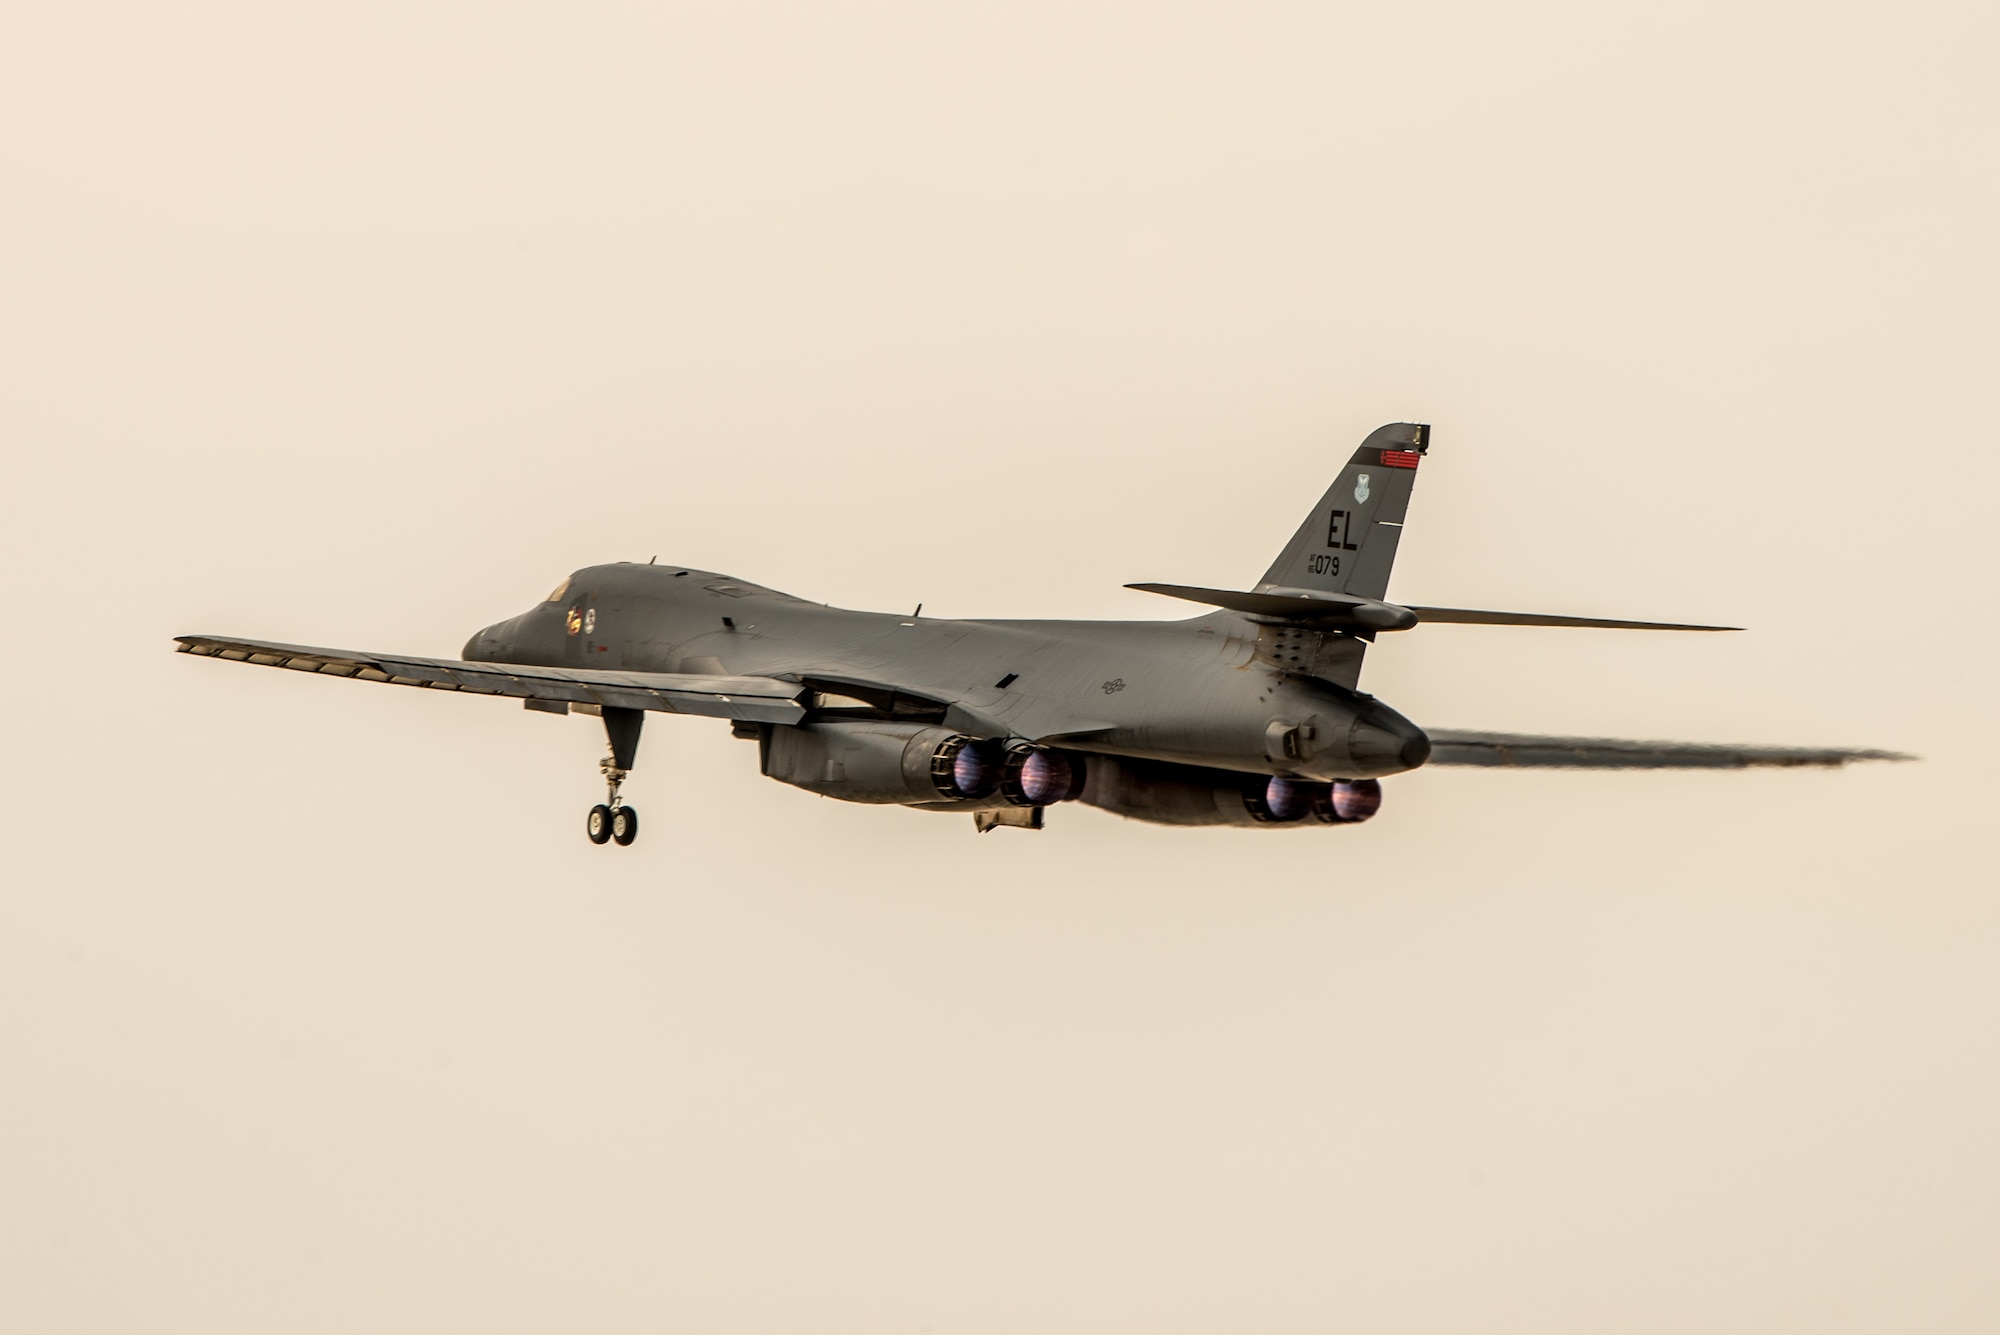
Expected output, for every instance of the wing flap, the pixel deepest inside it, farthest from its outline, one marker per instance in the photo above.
(752, 699)
(1521, 751)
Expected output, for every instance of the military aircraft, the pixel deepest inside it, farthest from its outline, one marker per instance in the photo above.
(1250, 714)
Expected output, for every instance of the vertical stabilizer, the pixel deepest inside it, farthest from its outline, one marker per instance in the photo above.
(1348, 542)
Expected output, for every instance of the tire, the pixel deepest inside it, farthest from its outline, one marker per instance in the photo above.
(624, 825)
(598, 827)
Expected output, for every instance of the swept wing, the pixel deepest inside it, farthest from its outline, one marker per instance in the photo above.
(1522, 751)
(755, 699)
(1466, 616)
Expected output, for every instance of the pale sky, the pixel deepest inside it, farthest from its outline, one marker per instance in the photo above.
(362, 325)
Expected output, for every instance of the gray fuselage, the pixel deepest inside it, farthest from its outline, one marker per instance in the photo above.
(1219, 691)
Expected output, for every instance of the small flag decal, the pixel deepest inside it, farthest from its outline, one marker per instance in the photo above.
(1400, 458)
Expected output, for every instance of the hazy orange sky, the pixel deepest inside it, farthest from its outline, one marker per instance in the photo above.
(362, 326)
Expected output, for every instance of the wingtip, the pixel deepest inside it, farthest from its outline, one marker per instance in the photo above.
(1842, 759)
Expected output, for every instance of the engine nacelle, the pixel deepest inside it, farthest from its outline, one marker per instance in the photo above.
(1167, 794)
(881, 762)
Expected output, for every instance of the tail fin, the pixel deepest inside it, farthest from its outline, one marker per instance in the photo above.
(1348, 542)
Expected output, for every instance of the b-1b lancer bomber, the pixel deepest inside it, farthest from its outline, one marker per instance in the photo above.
(1249, 714)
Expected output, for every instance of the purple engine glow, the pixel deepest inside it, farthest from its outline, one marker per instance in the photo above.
(1044, 777)
(1357, 800)
(1287, 799)
(968, 772)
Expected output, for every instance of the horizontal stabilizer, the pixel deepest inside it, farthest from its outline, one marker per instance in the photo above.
(1465, 616)
(1310, 605)
(1291, 604)
(753, 699)
(1513, 750)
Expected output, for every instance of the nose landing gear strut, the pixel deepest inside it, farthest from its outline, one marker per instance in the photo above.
(611, 819)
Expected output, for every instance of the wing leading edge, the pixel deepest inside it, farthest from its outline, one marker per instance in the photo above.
(1518, 751)
(754, 699)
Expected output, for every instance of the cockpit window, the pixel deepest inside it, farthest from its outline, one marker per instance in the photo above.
(561, 589)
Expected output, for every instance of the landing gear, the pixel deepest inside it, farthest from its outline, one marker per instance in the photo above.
(611, 819)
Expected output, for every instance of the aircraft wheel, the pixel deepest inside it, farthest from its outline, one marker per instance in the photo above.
(599, 824)
(624, 825)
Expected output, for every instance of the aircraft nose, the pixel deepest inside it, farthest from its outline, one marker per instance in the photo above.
(1387, 745)
(479, 649)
